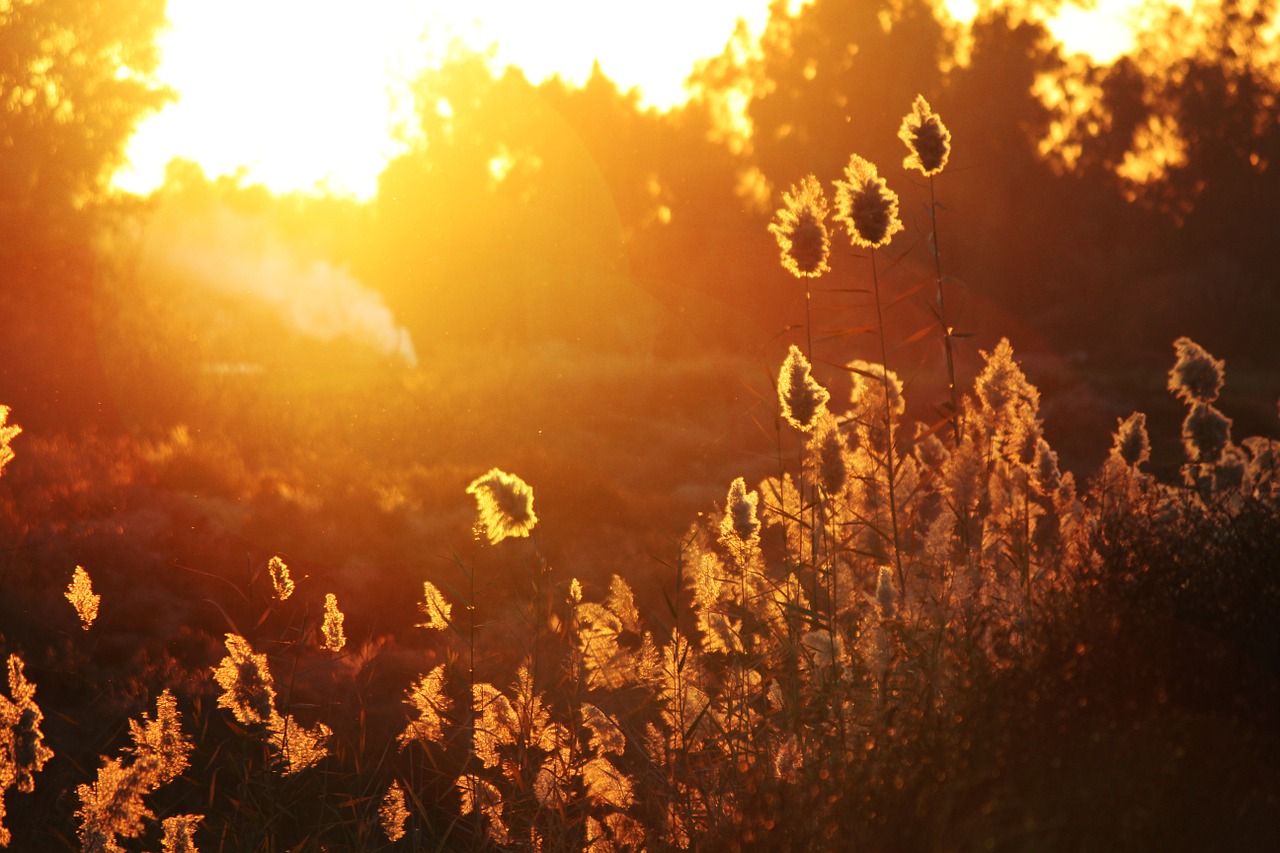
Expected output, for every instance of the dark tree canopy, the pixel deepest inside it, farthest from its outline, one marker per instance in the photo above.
(74, 82)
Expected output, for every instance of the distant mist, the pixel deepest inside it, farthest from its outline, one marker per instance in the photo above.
(235, 255)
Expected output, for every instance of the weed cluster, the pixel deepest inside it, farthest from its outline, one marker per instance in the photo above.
(855, 651)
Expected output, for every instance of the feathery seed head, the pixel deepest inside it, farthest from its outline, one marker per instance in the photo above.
(280, 580)
(867, 392)
(428, 698)
(433, 605)
(789, 761)
(1205, 433)
(802, 398)
(21, 717)
(740, 521)
(334, 638)
(929, 449)
(606, 785)
(1002, 384)
(1131, 443)
(1228, 474)
(606, 737)
(297, 747)
(483, 797)
(801, 230)
(505, 503)
(831, 449)
(159, 744)
(392, 814)
(245, 678)
(1196, 376)
(866, 205)
(80, 594)
(1048, 476)
(826, 651)
(926, 137)
(179, 833)
(7, 434)
(886, 592)
(111, 806)
(497, 724)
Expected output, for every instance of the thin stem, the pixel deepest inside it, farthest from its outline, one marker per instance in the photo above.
(808, 326)
(888, 419)
(942, 315)
(471, 658)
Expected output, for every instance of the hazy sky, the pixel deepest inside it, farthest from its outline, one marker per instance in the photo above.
(297, 92)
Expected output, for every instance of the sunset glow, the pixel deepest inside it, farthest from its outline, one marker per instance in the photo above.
(896, 380)
(307, 96)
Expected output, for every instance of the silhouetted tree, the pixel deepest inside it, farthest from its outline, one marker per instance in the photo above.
(75, 78)
(547, 212)
(832, 80)
(1215, 74)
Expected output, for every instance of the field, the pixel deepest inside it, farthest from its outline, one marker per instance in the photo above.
(548, 503)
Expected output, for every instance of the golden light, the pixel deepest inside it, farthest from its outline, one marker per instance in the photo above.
(293, 94)
(314, 95)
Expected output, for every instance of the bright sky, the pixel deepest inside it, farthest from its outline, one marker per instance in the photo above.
(300, 94)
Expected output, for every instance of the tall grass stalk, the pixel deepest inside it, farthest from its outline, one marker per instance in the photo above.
(890, 445)
(953, 389)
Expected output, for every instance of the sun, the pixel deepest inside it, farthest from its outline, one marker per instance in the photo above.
(294, 95)
(316, 95)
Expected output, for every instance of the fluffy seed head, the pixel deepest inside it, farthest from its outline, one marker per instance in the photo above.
(297, 747)
(1002, 386)
(886, 592)
(25, 754)
(80, 594)
(1048, 476)
(159, 745)
(435, 608)
(334, 638)
(926, 137)
(866, 205)
(392, 814)
(1131, 442)
(7, 433)
(802, 398)
(826, 651)
(800, 227)
(740, 521)
(428, 698)
(870, 380)
(1205, 433)
(1196, 376)
(280, 580)
(179, 833)
(483, 797)
(1228, 474)
(505, 503)
(247, 690)
(831, 448)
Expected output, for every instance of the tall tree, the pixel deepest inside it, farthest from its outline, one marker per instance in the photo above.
(76, 76)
